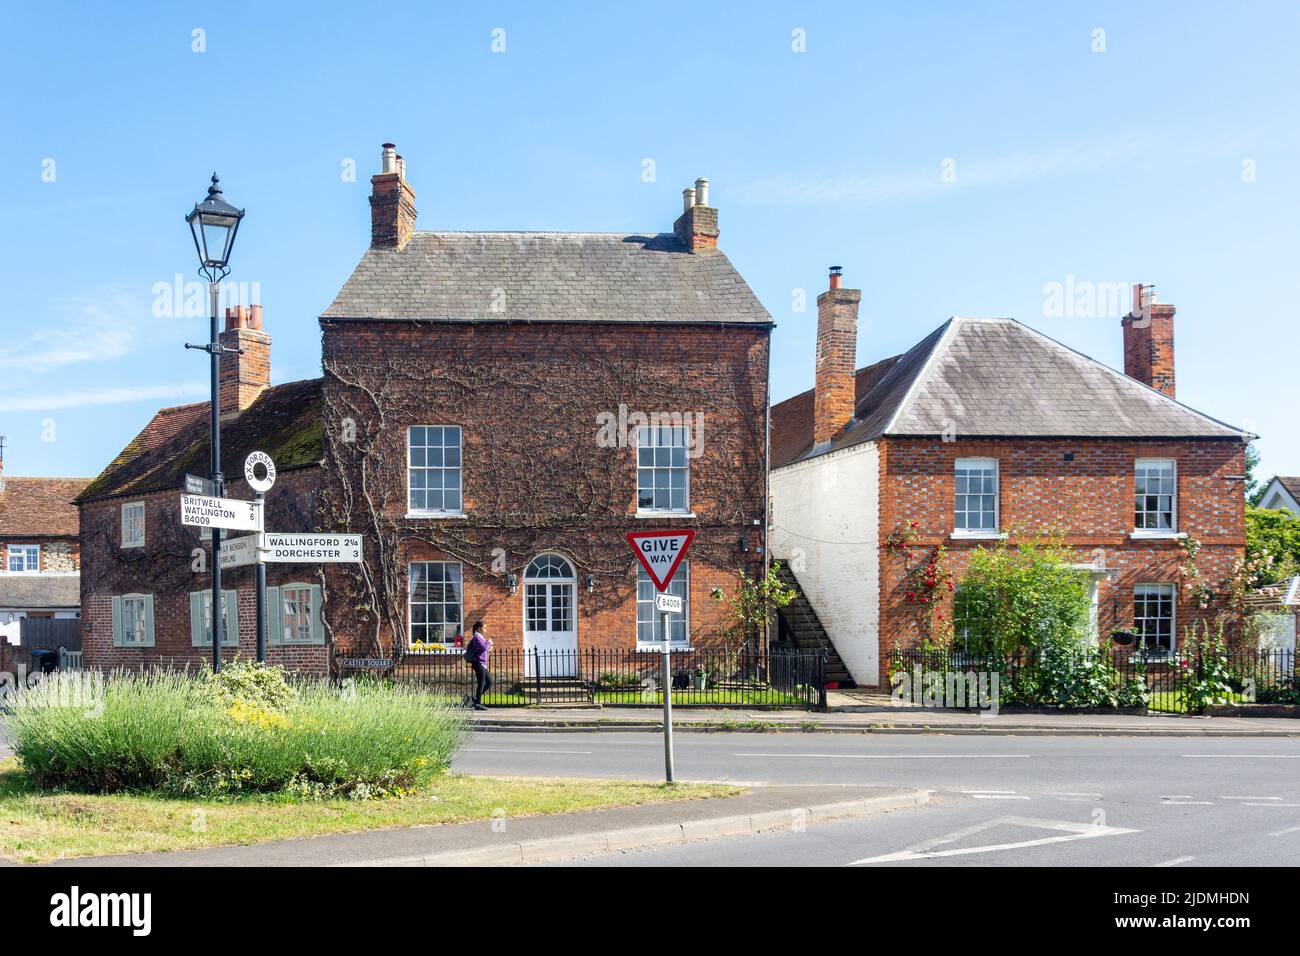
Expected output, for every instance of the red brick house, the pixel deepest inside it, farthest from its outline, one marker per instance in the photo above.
(146, 580)
(39, 554)
(502, 407)
(497, 411)
(988, 428)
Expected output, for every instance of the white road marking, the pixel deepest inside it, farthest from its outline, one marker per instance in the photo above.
(888, 756)
(994, 795)
(1244, 756)
(1186, 803)
(495, 750)
(1071, 832)
(1285, 832)
(1249, 798)
(1175, 796)
(1071, 793)
(1175, 861)
(1268, 804)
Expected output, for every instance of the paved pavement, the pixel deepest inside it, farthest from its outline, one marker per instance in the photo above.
(881, 719)
(500, 840)
(1050, 801)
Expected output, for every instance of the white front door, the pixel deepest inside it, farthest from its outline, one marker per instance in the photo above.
(550, 618)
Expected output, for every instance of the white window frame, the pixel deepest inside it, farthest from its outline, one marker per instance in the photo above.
(1159, 587)
(1172, 531)
(679, 585)
(119, 622)
(442, 470)
(449, 644)
(203, 613)
(24, 552)
(132, 507)
(649, 439)
(982, 463)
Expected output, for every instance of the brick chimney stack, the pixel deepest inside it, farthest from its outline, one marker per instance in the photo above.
(834, 395)
(1149, 341)
(392, 203)
(243, 377)
(697, 226)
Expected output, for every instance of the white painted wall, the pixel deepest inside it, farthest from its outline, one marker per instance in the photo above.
(826, 525)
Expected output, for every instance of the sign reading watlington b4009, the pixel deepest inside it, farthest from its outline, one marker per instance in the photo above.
(204, 511)
(660, 552)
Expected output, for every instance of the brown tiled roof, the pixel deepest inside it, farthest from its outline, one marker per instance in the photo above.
(792, 420)
(40, 507)
(285, 422)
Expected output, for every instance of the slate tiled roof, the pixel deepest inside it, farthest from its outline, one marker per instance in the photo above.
(40, 507)
(997, 378)
(1290, 484)
(546, 277)
(285, 422)
(39, 592)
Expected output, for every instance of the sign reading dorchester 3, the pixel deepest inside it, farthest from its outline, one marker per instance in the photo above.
(272, 548)
(660, 552)
(203, 511)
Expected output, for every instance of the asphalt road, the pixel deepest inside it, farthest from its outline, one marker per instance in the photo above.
(1039, 801)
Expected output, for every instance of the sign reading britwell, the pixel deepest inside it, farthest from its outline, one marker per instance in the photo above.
(204, 511)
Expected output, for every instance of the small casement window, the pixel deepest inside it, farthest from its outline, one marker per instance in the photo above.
(976, 502)
(294, 614)
(649, 622)
(201, 618)
(1153, 615)
(1154, 494)
(433, 469)
(435, 603)
(24, 558)
(133, 524)
(662, 472)
(133, 620)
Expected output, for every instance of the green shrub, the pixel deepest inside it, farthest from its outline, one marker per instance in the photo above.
(174, 734)
(259, 684)
(618, 680)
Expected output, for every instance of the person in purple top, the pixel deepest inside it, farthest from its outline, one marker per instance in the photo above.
(476, 652)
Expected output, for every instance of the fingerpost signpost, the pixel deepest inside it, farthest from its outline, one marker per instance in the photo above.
(661, 554)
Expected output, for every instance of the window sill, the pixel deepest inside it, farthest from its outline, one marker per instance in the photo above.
(978, 536)
(1138, 534)
(435, 651)
(435, 514)
(127, 547)
(658, 648)
(664, 514)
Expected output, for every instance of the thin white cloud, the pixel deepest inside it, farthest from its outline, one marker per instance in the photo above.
(102, 396)
(963, 173)
(100, 330)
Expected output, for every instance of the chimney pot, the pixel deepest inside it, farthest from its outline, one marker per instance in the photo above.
(688, 199)
(255, 317)
(835, 276)
(701, 192)
(388, 159)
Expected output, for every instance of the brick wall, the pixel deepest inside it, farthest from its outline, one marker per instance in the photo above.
(1089, 498)
(528, 399)
(163, 568)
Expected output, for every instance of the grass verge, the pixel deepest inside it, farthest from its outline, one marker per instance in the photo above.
(37, 826)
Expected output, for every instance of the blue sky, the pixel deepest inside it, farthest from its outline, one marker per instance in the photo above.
(1170, 157)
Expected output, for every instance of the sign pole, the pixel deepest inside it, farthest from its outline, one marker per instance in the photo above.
(214, 438)
(261, 599)
(668, 700)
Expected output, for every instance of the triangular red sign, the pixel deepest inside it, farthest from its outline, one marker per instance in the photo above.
(660, 553)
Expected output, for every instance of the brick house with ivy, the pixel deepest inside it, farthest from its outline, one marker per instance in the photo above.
(502, 407)
(986, 431)
(497, 411)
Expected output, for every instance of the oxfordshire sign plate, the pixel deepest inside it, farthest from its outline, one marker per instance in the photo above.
(204, 511)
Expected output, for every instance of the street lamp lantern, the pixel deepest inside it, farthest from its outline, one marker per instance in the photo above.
(214, 223)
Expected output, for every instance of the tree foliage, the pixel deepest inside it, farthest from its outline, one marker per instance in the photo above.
(1272, 545)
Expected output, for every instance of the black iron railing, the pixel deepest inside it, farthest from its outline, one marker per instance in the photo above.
(1182, 681)
(776, 678)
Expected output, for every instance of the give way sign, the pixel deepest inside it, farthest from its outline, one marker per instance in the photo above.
(660, 552)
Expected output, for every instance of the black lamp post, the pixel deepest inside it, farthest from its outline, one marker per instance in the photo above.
(214, 223)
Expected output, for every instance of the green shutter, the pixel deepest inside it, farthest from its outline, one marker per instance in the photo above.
(148, 621)
(317, 632)
(118, 637)
(196, 618)
(274, 617)
(231, 636)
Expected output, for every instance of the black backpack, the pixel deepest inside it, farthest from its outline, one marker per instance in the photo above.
(471, 652)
